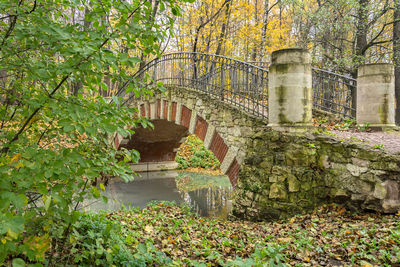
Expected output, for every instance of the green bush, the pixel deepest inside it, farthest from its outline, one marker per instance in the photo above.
(56, 127)
(97, 241)
(193, 154)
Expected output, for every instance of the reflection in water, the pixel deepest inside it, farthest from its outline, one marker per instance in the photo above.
(208, 195)
(209, 202)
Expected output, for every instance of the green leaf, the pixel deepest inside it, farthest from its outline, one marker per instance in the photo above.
(18, 262)
(134, 60)
(142, 248)
(47, 202)
(95, 192)
(68, 128)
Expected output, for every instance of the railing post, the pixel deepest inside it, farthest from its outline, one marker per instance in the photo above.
(375, 95)
(290, 89)
(353, 92)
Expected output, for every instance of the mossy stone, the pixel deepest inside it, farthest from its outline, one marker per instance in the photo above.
(277, 191)
(293, 183)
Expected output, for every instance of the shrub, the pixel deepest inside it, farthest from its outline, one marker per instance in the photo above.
(193, 154)
(98, 241)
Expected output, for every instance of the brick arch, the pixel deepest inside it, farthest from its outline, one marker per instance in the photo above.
(182, 115)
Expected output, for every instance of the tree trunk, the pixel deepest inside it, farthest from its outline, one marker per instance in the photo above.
(196, 36)
(203, 24)
(396, 57)
(151, 21)
(264, 30)
(224, 26)
(361, 36)
(77, 85)
(254, 54)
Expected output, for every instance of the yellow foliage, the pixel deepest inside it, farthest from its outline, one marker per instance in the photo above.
(244, 24)
(39, 244)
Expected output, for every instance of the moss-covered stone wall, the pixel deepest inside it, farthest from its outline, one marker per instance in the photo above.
(288, 173)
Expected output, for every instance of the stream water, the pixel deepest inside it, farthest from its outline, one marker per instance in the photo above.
(209, 196)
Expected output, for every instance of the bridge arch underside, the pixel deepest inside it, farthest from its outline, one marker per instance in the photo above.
(223, 129)
(157, 144)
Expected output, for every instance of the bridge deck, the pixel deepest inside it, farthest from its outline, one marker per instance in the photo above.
(388, 141)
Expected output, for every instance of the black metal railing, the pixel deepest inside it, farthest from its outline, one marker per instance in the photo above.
(242, 84)
(232, 81)
(334, 93)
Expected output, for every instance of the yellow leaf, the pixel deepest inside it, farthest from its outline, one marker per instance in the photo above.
(40, 244)
(284, 239)
(12, 234)
(149, 228)
(19, 165)
(16, 157)
(102, 187)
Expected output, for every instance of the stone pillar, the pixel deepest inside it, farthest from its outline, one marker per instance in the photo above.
(375, 95)
(290, 89)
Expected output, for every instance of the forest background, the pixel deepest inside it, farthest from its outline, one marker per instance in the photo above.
(341, 35)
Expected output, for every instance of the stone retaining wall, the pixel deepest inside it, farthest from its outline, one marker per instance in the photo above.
(288, 173)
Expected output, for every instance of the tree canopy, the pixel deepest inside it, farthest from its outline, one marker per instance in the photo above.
(58, 59)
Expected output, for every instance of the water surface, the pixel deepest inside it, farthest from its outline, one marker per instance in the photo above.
(209, 196)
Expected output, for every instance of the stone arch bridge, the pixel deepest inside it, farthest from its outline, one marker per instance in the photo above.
(258, 123)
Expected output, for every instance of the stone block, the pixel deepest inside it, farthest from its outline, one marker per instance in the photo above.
(358, 197)
(294, 184)
(360, 162)
(236, 131)
(385, 165)
(369, 177)
(306, 186)
(378, 172)
(267, 162)
(300, 156)
(276, 178)
(356, 170)
(380, 191)
(279, 170)
(257, 135)
(324, 161)
(391, 206)
(338, 157)
(277, 191)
